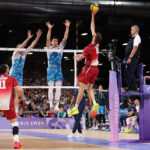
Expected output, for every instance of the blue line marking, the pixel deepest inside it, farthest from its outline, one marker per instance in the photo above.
(85, 140)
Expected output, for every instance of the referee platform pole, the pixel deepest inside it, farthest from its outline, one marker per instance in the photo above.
(113, 101)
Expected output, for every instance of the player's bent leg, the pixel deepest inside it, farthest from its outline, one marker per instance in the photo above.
(82, 87)
(58, 94)
(92, 97)
(74, 110)
(18, 96)
(50, 93)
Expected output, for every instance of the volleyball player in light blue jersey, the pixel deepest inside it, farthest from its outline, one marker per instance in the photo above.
(18, 57)
(54, 72)
(18, 61)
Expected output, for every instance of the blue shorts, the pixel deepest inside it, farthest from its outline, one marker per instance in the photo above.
(54, 74)
(101, 110)
(19, 78)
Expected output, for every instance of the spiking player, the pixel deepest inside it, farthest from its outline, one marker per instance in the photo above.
(90, 71)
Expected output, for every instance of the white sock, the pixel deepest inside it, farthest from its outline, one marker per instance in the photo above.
(57, 104)
(94, 101)
(16, 110)
(50, 103)
(76, 105)
(16, 138)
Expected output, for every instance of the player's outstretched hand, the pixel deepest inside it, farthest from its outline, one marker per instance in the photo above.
(39, 33)
(67, 23)
(48, 24)
(29, 34)
(94, 13)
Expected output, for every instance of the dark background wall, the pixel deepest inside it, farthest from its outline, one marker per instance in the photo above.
(113, 20)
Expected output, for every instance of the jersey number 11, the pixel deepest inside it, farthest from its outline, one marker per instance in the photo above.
(2, 84)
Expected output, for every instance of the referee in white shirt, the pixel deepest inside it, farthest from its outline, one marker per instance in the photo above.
(132, 54)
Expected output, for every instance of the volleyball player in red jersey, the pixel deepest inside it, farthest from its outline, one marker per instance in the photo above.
(8, 86)
(90, 71)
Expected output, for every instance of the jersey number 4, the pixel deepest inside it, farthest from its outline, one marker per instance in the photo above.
(2, 84)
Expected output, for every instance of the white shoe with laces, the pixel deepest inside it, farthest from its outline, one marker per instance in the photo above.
(96, 128)
(79, 135)
(103, 128)
(71, 135)
(92, 128)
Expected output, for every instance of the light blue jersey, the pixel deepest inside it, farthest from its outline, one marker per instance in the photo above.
(18, 61)
(54, 72)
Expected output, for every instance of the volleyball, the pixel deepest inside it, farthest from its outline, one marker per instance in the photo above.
(94, 7)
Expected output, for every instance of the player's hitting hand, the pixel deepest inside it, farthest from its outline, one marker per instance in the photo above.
(94, 13)
(67, 23)
(29, 34)
(48, 24)
(39, 33)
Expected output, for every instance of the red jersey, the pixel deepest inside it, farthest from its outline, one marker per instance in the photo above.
(7, 84)
(91, 54)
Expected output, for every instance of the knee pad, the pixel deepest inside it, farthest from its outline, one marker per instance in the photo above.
(15, 128)
(50, 91)
(58, 91)
(128, 121)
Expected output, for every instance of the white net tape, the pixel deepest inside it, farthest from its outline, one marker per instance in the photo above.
(40, 50)
(49, 50)
(75, 52)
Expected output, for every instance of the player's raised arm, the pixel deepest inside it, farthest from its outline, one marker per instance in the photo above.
(48, 39)
(67, 24)
(93, 24)
(38, 35)
(22, 45)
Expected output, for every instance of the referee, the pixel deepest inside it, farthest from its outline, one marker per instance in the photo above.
(132, 53)
(77, 125)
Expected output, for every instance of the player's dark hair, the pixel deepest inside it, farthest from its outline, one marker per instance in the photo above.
(98, 37)
(54, 38)
(3, 68)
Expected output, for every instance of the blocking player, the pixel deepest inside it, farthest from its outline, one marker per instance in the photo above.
(54, 72)
(18, 60)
